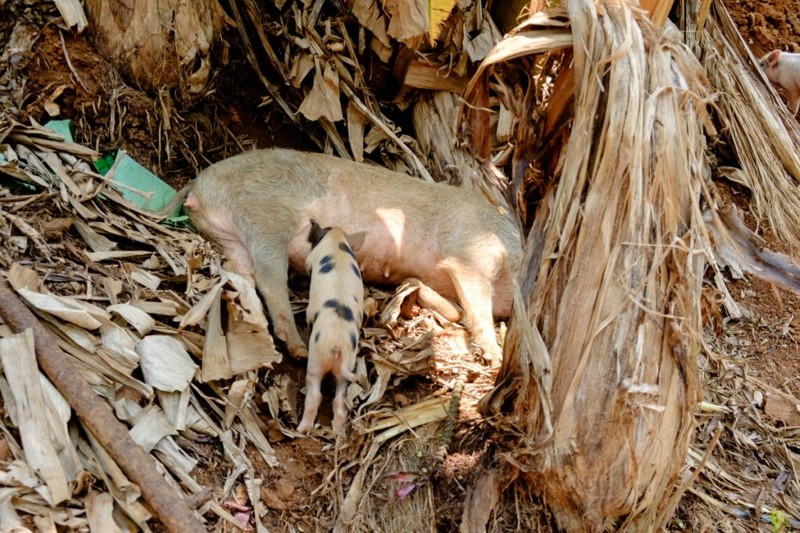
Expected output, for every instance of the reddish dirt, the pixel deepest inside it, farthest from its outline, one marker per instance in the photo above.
(775, 358)
(767, 25)
(108, 114)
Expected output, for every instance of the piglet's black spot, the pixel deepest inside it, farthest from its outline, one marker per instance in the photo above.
(316, 337)
(326, 264)
(343, 247)
(342, 310)
(353, 339)
(357, 271)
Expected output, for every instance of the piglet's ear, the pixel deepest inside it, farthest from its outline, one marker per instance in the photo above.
(315, 234)
(773, 57)
(356, 240)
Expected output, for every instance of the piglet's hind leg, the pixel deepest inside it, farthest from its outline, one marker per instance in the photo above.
(340, 408)
(313, 399)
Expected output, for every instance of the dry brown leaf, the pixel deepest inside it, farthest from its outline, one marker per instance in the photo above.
(99, 512)
(392, 423)
(20, 368)
(408, 20)
(74, 17)
(370, 16)
(135, 317)
(165, 364)
(323, 99)
(216, 363)
(199, 311)
(151, 426)
(355, 131)
(63, 308)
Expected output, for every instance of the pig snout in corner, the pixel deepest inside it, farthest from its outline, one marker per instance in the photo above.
(783, 69)
(335, 306)
(258, 206)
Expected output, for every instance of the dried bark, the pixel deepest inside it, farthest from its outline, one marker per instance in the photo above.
(159, 43)
(599, 373)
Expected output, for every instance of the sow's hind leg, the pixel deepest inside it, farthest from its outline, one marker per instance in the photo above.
(265, 258)
(474, 291)
(272, 279)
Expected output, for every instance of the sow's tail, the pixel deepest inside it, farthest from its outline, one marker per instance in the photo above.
(177, 200)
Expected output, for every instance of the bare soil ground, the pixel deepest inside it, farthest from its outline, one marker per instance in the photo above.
(767, 26)
(108, 114)
(760, 349)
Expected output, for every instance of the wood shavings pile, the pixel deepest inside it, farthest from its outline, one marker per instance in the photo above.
(177, 346)
(168, 338)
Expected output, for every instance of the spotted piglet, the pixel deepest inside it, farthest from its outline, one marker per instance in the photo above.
(335, 305)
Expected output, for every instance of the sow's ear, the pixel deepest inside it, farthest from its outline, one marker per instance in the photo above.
(356, 240)
(772, 58)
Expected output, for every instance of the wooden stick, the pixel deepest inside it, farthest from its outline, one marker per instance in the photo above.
(96, 416)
